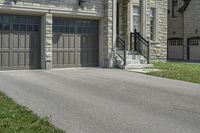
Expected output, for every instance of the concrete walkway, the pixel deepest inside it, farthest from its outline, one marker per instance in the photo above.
(106, 101)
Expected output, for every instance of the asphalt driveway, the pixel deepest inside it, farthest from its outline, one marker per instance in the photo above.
(106, 101)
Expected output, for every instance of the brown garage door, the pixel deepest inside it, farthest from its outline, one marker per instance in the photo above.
(19, 42)
(75, 43)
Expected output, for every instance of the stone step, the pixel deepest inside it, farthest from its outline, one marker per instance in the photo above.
(138, 66)
(133, 60)
(133, 56)
(136, 61)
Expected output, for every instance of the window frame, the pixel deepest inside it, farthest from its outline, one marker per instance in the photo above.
(174, 8)
(138, 16)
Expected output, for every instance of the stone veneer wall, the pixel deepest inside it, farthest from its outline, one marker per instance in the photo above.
(159, 47)
(124, 20)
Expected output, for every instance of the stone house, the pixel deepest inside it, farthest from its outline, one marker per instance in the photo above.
(184, 30)
(50, 34)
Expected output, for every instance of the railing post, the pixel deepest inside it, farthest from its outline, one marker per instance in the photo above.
(131, 41)
(135, 39)
(124, 53)
(148, 52)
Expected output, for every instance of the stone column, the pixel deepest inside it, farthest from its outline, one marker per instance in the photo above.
(143, 17)
(108, 34)
(114, 23)
(47, 41)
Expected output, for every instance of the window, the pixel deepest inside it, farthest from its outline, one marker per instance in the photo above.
(174, 8)
(136, 19)
(152, 23)
(4, 23)
(71, 26)
(26, 23)
(175, 42)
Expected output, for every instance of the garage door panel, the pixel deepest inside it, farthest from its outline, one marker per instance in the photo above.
(60, 42)
(22, 41)
(66, 58)
(72, 41)
(27, 58)
(28, 40)
(16, 41)
(195, 53)
(84, 41)
(55, 56)
(0, 59)
(79, 57)
(194, 49)
(66, 41)
(5, 59)
(5, 41)
(72, 58)
(60, 58)
(0, 40)
(22, 59)
(15, 61)
(78, 41)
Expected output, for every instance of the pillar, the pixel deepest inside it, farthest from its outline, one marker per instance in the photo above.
(47, 41)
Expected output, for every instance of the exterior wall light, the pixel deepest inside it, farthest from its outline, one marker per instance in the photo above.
(81, 3)
(15, 1)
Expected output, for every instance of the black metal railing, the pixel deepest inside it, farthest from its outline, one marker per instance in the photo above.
(121, 46)
(140, 44)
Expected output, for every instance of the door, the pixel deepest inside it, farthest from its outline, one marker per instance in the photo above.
(175, 50)
(194, 49)
(19, 42)
(75, 43)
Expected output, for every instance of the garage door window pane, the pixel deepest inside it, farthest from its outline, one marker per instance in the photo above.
(0, 27)
(22, 27)
(15, 19)
(6, 27)
(60, 28)
(22, 20)
(16, 27)
(72, 26)
(36, 27)
(29, 28)
(5, 19)
(72, 29)
(55, 28)
(66, 29)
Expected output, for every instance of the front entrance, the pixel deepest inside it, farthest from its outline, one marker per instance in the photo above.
(75, 43)
(19, 42)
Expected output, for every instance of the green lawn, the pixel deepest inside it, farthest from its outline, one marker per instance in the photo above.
(17, 119)
(179, 71)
